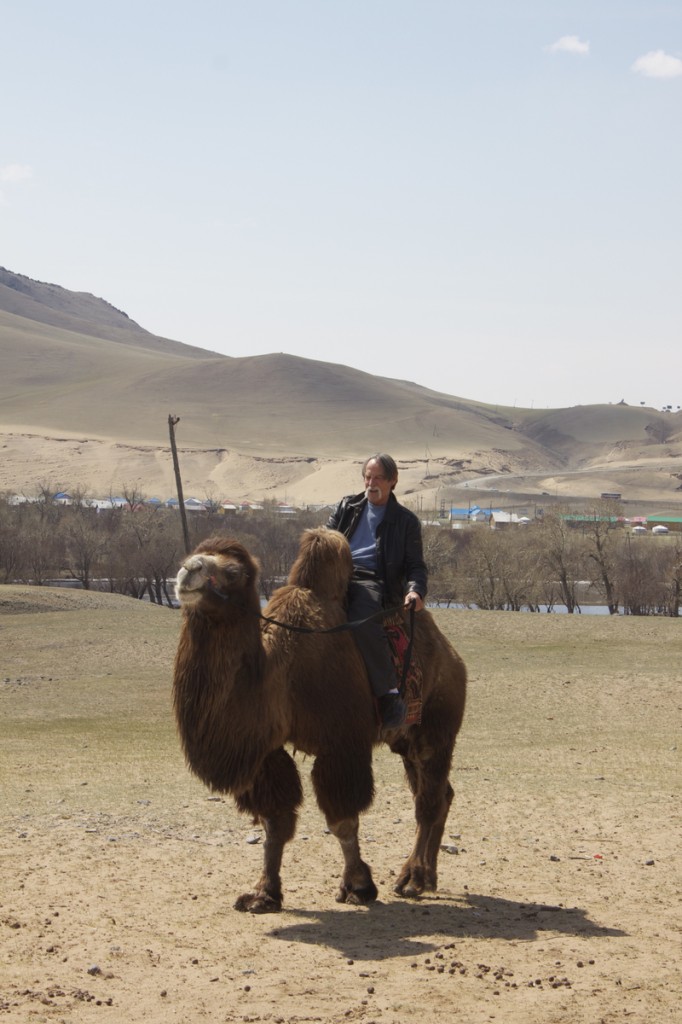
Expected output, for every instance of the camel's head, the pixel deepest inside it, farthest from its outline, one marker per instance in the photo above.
(219, 572)
(324, 563)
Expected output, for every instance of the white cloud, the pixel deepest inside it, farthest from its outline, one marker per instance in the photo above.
(657, 64)
(15, 172)
(569, 44)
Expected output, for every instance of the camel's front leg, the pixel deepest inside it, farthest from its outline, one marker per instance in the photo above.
(428, 778)
(267, 898)
(344, 787)
(357, 885)
(273, 799)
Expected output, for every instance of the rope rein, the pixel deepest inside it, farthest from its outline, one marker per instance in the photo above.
(341, 628)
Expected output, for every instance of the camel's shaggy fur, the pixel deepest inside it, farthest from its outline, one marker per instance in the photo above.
(244, 688)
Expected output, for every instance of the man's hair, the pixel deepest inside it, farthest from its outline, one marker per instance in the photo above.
(386, 462)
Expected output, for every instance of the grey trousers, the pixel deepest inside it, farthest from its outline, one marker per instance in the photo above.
(365, 597)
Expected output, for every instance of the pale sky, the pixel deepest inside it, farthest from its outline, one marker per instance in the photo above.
(482, 197)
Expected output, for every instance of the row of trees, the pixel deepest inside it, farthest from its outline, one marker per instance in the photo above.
(135, 550)
(551, 562)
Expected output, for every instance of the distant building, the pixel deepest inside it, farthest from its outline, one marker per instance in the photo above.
(502, 519)
(194, 505)
(472, 514)
(673, 523)
(101, 504)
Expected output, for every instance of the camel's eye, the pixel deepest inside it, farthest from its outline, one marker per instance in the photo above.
(234, 572)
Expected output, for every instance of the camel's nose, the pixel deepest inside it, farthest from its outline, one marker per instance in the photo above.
(192, 564)
(190, 575)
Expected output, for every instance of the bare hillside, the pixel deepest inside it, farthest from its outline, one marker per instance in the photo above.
(78, 312)
(85, 395)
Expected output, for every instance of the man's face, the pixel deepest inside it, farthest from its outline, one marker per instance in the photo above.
(377, 486)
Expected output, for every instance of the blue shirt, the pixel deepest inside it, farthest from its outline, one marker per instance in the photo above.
(363, 543)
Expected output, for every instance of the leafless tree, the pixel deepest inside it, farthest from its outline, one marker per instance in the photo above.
(560, 558)
(671, 576)
(44, 544)
(441, 547)
(13, 545)
(84, 543)
(133, 496)
(639, 569)
(600, 531)
(482, 570)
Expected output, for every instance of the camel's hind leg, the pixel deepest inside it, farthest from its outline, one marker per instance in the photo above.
(342, 791)
(427, 769)
(274, 799)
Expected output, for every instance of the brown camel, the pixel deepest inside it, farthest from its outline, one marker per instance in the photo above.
(243, 688)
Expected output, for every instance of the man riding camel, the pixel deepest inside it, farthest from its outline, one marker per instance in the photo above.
(388, 569)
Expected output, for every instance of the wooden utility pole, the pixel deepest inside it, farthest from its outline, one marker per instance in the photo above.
(172, 420)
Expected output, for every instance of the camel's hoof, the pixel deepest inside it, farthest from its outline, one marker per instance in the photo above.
(410, 885)
(414, 883)
(357, 897)
(408, 891)
(258, 903)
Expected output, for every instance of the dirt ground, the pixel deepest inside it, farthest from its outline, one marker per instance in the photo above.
(560, 878)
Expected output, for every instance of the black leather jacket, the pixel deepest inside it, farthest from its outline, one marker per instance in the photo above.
(400, 559)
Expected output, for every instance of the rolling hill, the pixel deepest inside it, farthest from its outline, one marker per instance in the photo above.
(85, 395)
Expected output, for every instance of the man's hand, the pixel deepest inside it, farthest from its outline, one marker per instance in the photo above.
(413, 598)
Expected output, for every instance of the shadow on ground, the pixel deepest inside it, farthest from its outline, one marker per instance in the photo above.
(395, 929)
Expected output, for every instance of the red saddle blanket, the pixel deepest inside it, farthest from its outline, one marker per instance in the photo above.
(411, 688)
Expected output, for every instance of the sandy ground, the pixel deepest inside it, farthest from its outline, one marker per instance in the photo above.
(560, 877)
(101, 467)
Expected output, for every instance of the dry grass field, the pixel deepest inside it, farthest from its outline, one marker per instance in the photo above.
(560, 881)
